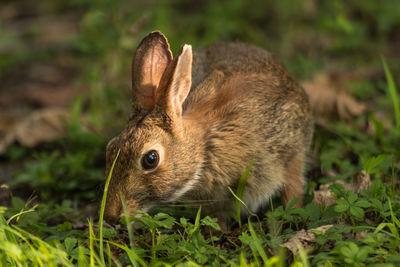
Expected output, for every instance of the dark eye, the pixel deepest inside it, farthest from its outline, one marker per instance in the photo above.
(150, 160)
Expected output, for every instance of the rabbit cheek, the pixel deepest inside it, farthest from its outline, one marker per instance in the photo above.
(160, 185)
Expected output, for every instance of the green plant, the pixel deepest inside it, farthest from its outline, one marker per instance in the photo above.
(348, 202)
(352, 254)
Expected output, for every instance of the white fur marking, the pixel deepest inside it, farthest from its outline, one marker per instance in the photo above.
(189, 185)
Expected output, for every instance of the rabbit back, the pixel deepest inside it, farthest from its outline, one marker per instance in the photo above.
(251, 109)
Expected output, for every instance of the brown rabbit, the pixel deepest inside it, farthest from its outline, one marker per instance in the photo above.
(199, 120)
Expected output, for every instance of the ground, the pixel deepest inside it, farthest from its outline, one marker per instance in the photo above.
(64, 92)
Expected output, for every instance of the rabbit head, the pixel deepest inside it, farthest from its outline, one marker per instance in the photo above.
(156, 163)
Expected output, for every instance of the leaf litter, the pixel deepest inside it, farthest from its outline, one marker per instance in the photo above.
(325, 196)
(330, 102)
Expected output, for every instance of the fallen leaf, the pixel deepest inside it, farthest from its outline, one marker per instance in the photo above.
(41, 126)
(324, 196)
(362, 234)
(304, 239)
(328, 103)
(361, 182)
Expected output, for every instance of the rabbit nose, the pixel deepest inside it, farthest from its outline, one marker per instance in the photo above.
(111, 216)
(112, 211)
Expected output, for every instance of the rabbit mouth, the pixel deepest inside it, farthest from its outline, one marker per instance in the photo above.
(134, 213)
(194, 203)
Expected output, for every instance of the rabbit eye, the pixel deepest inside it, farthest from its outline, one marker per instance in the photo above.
(150, 160)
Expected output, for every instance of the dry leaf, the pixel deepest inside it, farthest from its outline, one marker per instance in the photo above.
(325, 196)
(328, 103)
(41, 126)
(304, 239)
(40, 83)
(361, 182)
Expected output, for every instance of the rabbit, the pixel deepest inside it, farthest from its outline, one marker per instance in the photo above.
(198, 120)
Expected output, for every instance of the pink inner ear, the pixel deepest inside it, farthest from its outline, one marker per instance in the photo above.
(146, 97)
(155, 63)
(182, 79)
(151, 59)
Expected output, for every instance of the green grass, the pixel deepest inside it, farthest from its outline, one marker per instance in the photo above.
(102, 207)
(239, 196)
(168, 241)
(392, 92)
(47, 223)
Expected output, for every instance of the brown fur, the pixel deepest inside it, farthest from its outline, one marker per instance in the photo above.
(293, 187)
(243, 105)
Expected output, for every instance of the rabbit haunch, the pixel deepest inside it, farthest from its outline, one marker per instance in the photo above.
(199, 120)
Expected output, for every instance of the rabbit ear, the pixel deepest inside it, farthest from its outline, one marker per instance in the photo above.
(179, 79)
(149, 63)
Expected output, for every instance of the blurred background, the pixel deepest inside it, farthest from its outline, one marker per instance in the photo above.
(65, 71)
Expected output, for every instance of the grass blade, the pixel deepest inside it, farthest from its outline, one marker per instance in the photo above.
(91, 243)
(392, 92)
(197, 220)
(21, 213)
(103, 204)
(239, 194)
(133, 257)
(241, 202)
(257, 242)
(129, 229)
(303, 255)
(395, 221)
(81, 256)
